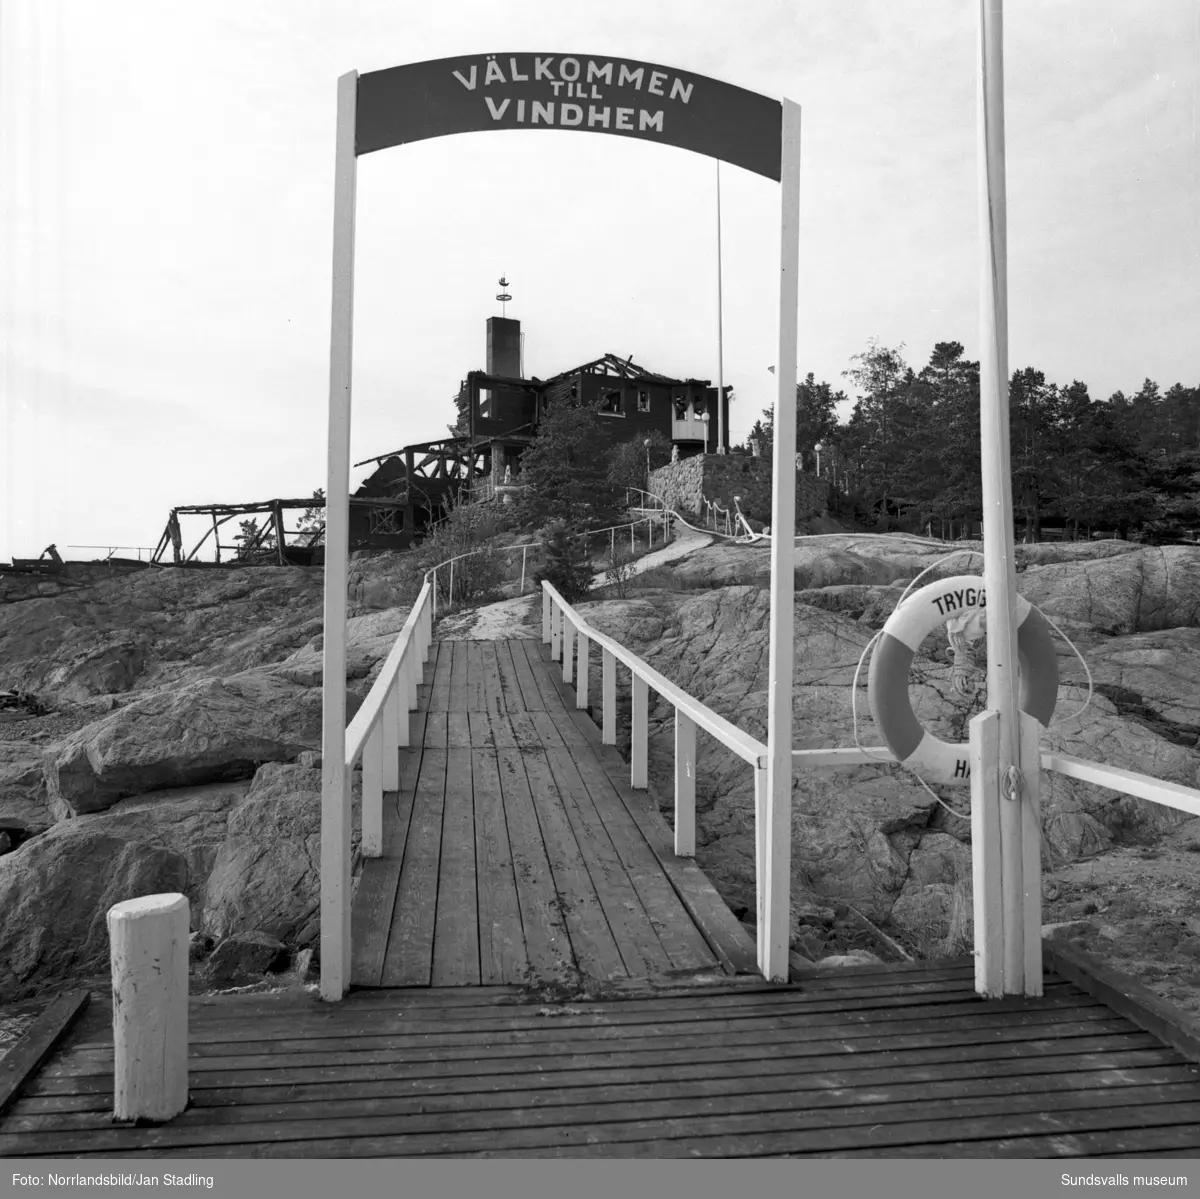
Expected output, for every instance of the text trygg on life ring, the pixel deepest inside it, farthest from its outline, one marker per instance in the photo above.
(935, 760)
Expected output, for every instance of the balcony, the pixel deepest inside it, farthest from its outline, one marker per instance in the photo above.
(692, 429)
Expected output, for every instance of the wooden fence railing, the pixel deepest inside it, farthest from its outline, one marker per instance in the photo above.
(570, 638)
(375, 734)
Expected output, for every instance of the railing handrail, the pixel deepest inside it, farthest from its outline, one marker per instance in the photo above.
(1100, 774)
(371, 711)
(526, 546)
(748, 748)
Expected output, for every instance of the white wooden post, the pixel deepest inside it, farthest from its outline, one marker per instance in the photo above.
(760, 856)
(394, 725)
(685, 785)
(568, 638)
(434, 605)
(546, 617)
(335, 799)
(148, 940)
(427, 636)
(411, 673)
(640, 728)
(720, 338)
(984, 732)
(524, 551)
(608, 683)
(372, 792)
(581, 671)
(775, 930)
(1031, 852)
(556, 624)
(999, 569)
(395, 720)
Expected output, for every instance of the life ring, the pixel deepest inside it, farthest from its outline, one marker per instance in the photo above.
(887, 681)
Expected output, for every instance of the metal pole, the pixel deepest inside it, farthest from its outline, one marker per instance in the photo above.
(335, 798)
(998, 564)
(524, 551)
(720, 338)
(774, 929)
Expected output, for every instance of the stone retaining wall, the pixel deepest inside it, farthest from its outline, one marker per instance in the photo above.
(686, 484)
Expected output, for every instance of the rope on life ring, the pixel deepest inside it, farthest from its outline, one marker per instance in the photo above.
(901, 637)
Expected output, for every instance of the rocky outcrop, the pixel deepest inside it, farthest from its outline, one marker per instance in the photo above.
(1138, 592)
(158, 627)
(208, 731)
(56, 888)
(244, 958)
(24, 801)
(246, 855)
(267, 875)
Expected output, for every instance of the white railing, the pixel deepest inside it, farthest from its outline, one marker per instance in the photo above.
(570, 637)
(659, 520)
(375, 734)
(1127, 782)
(715, 516)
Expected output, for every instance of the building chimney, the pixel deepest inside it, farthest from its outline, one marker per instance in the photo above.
(504, 347)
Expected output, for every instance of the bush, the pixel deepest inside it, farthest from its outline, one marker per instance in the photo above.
(619, 567)
(627, 461)
(467, 528)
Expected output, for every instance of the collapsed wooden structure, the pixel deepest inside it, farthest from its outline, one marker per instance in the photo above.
(372, 524)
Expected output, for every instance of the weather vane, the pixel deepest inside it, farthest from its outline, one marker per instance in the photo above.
(503, 297)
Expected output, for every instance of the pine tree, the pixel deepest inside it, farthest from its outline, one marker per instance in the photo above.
(566, 568)
(565, 469)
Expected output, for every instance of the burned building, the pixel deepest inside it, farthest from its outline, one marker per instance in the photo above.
(499, 412)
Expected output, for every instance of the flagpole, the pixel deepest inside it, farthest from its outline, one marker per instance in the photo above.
(720, 338)
(1004, 794)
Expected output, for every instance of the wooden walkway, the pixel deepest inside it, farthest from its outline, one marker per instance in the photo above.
(885, 1061)
(515, 851)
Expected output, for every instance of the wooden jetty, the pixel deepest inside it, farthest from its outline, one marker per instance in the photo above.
(536, 974)
(516, 852)
(890, 1061)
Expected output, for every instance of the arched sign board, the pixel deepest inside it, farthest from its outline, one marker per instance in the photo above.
(569, 91)
(591, 94)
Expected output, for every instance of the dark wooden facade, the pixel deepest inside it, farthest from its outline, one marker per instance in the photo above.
(499, 413)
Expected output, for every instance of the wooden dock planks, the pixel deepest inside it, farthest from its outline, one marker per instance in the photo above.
(877, 1062)
(502, 957)
(521, 863)
(547, 942)
(511, 697)
(409, 955)
(439, 688)
(456, 929)
(585, 912)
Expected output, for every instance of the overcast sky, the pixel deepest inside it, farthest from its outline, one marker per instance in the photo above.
(166, 191)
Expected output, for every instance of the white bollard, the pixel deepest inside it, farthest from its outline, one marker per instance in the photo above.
(149, 940)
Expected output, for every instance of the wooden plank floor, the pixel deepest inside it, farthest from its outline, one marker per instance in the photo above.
(515, 851)
(889, 1061)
